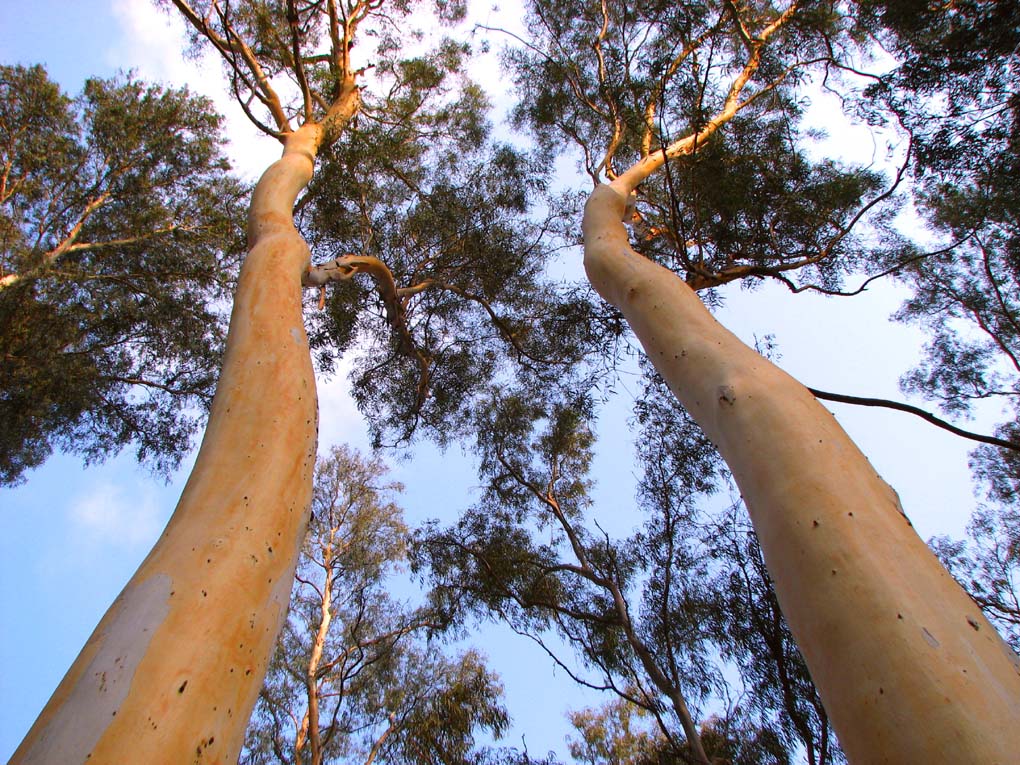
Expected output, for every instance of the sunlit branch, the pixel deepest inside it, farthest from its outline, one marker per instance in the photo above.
(335, 43)
(229, 47)
(294, 22)
(614, 109)
(738, 23)
(732, 104)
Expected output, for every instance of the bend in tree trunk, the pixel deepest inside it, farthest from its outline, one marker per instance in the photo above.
(174, 668)
(908, 667)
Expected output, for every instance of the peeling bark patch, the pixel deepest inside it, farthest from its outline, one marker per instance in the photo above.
(929, 638)
(727, 395)
(81, 721)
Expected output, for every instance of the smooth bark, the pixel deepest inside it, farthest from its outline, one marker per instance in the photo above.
(174, 668)
(909, 669)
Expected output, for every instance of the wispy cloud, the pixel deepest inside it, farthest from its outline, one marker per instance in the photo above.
(153, 44)
(107, 514)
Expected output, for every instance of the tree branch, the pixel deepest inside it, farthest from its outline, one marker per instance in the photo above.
(924, 415)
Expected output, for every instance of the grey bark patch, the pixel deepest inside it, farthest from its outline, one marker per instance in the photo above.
(79, 723)
(296, 334)
(929, 638)
(727, 395)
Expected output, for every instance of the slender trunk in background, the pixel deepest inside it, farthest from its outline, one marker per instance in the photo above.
(909, 669)
(312, 671)
(173, 670)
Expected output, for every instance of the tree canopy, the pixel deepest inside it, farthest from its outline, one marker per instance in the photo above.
(434, 252)
(120, 240)
(956, 93)
(433, 235)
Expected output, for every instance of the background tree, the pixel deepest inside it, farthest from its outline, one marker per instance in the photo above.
(617, 734)
(988, 566)
(956, 93)
(662, 617)
(357, 675)
(119, 240)
(613, 733)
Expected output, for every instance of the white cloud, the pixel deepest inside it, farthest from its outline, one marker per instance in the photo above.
(152, 43)
(339, 418)
(106, 514)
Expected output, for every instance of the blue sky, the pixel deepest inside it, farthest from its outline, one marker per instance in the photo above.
(71, 536)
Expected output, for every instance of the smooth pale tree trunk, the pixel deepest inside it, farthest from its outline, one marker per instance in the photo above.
(173, 670)
(909, 669)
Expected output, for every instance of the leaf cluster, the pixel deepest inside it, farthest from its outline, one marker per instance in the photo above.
(119, 239)
(662, 616)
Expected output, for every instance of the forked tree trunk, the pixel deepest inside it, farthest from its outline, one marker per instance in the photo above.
(173, 670)
(909, 669)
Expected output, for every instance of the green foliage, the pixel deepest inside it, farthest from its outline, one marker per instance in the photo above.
(987, 565)
(119, 236)
(614, 734)
(664, 617)
(454, 217)
(955, 86)
(370, 663)
(620, 81)
(956, 93)
(619, 733)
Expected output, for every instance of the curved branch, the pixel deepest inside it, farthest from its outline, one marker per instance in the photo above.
(924, 415)
(298, 66)
(229, 47)
(343, 269)
(629, 180)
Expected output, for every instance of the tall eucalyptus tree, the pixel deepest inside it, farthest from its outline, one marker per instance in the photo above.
(173, 669)
(642, 88)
